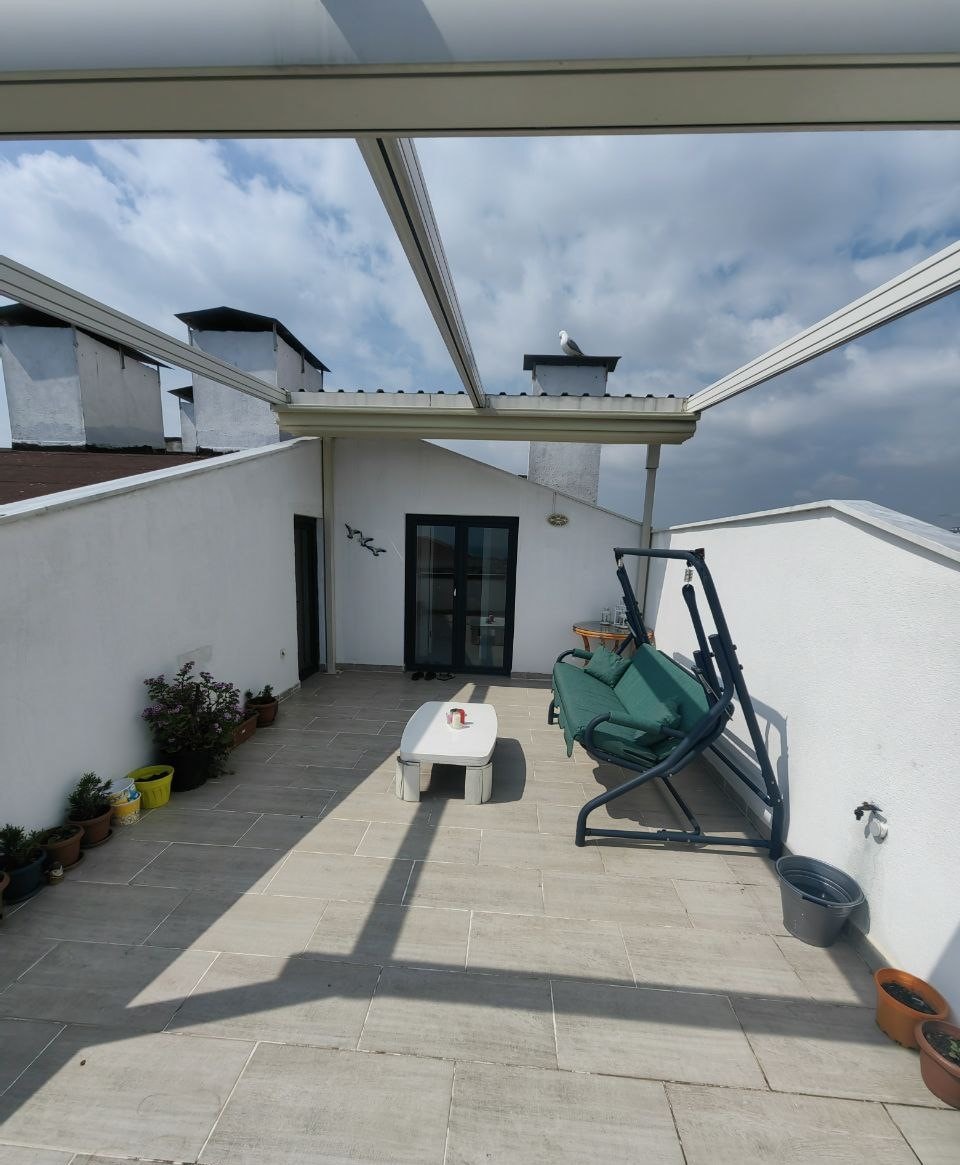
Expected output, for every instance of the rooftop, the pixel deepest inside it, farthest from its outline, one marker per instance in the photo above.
(31, 473)
(292, 949)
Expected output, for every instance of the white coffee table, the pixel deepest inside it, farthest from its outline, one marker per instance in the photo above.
(429, 739)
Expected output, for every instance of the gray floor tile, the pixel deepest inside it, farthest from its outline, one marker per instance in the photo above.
(702, 960)
(475, 888)
(300, 1000)
(17, 954)
(830, 1050)
(256, 798)
(212, 868)
(636, 901)
(453, 1015)
(834, 974)
(527, 1116)
(548, 947)
(134, 988)
(120, 860)
(282, 831)
(251, 924)
(207, 826)
(393, 934)
(655, 861)
(19, 1155)
(541, 852)
(100, 1091)
(342, 878)
(316, 753)
(934, 1135)
(660, 1035)
(20, 1041)
(317, 1106)
(92, 912)
(730, 907)
(365, 805)
(424, 842)
(726, 1126)
(515, 816)
(559, 819)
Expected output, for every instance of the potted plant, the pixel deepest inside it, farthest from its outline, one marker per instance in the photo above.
(939, 1045)
(22, 860)
(192, 720)
(246, 728)
(90, 807)
(903, 1001)
(264, 703)
(62, 844)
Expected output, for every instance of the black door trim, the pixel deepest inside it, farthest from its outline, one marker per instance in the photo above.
(460, 522)
(307, 578)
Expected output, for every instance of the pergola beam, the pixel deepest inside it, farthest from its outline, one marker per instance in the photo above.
(395, 169)
(927, 281)
(35, 290)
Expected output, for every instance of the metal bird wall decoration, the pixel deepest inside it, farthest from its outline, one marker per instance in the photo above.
(366, 543)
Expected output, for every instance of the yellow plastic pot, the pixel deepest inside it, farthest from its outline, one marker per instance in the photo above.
(153, 784)
(127, 812)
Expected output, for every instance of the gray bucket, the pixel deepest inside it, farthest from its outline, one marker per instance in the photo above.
(817, 899)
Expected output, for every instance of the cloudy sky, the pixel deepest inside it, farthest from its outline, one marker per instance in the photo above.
(687, 255)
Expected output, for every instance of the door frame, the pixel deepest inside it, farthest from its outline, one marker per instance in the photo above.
(460, 522)
(311, 566)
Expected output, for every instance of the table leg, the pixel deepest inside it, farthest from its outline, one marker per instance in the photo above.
(478, 784)
(586, 642)
(407, 780)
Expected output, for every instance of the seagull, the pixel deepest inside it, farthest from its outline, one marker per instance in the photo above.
(569, 347)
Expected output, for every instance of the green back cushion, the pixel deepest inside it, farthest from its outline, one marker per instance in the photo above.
(653, 683)
(606, 666)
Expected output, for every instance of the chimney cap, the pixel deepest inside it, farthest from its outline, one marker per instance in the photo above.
(21, 315)
(608, 362)
(232, 319)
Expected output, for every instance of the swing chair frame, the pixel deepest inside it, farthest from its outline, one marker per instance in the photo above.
(719, 673)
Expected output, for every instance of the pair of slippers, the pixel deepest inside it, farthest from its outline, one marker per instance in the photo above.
(432, 675)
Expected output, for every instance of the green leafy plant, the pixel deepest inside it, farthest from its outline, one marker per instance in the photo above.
(18, 846)
(90, 798)
(264, 696)
(193, 713)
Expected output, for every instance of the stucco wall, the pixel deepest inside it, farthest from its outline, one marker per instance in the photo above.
(42, 384)
(119, 395)
(847, 626)
(106, 585)
(225, 418)
(563, 574)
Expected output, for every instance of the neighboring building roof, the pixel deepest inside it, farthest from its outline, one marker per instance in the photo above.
(231, 319)
(608, 362)
(18, 315)
(30, 473)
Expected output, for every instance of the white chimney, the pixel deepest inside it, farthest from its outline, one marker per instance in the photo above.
(68, 388)
(572, 469)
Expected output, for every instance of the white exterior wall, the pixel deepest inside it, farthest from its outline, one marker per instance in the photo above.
(293, 372)
(846, 617)
(106, 585)
(563, 573)
(226, 419)
(120, 397)
(42, 385)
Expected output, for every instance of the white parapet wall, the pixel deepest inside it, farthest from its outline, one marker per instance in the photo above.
(564, 573)
(846, 618)
(106, 585)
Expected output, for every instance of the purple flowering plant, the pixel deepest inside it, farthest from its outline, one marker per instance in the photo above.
(192, 712)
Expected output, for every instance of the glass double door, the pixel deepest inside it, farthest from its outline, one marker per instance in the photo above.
(460, 591)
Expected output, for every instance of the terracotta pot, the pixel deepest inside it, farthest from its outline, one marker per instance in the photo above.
(95, 830)
(246, 729)
(67, 853)
(939, 1074)
(266, 713)
(896, 1019)
(4, 883)
(25, 879)
(191, 767)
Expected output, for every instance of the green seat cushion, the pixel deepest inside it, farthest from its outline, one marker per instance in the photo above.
(653, 687)
(606, 666)
(580, 698)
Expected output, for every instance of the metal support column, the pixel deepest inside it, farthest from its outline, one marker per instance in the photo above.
(646, 530)
(329, 617)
